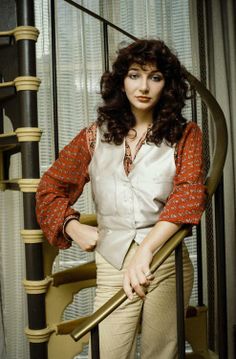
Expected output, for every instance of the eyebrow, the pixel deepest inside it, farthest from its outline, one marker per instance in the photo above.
(138, 69)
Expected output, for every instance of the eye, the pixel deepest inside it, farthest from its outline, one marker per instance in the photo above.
(156, 77)
(133, 75)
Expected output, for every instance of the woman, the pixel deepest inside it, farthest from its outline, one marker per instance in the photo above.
(144, 162)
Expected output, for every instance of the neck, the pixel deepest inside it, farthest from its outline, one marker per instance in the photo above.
(142, 118)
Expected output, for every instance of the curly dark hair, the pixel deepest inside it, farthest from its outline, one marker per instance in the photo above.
(168, 122)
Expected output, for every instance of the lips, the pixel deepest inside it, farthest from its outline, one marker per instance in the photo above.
(143, 98)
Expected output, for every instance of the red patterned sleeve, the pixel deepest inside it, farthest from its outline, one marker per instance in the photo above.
(187, 201)
(60, 187)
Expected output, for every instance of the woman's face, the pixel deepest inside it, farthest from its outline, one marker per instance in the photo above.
(143, 86)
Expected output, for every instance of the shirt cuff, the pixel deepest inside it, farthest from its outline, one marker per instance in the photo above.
(66, 221)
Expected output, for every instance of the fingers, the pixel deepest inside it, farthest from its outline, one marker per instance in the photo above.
(89, 244)
(90, 247)
(135, 282)
(86, 237)
(92, 243)
(127, 287)
(149, 276)
(148, 273)
(140, 290)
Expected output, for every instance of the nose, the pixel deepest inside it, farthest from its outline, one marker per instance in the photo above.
(144, 87)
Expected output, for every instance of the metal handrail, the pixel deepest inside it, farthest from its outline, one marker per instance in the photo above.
(221, 137)
(100, 18)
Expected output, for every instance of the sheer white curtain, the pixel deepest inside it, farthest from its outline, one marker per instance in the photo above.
(2, 336)
(12, 265)
(79, 66)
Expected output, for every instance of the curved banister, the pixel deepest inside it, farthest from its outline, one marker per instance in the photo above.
(100, 18)
(213, 178)
(221, 137)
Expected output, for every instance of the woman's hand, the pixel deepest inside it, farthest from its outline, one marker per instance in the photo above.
(137, 275)
(85, 236)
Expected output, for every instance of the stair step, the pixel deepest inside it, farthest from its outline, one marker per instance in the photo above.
(5, 41)
(191, 311)
(194, 356)
(202, 355)
(6, 93)
(8, 141)
(12, 185)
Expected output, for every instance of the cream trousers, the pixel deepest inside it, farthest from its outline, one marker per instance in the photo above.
(157, 313)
